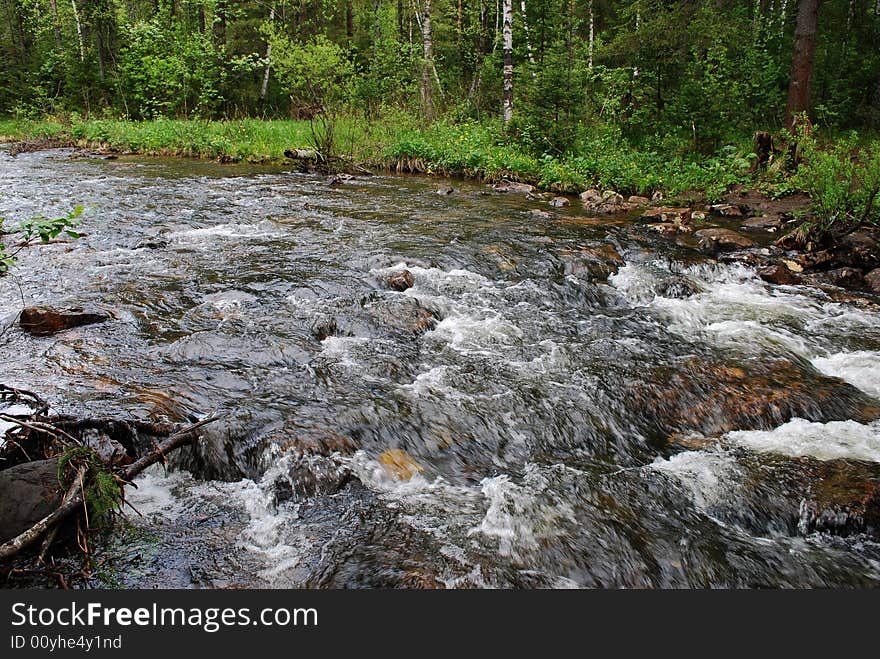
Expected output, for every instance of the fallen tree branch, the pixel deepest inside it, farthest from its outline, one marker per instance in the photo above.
(175, 441)
(73, 499)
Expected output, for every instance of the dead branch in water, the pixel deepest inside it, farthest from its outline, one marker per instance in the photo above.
(74, 497)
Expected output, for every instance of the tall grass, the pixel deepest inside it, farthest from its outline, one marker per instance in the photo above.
(472, 150)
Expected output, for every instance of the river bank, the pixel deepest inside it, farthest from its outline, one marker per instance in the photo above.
(469, 150)
(604, 166)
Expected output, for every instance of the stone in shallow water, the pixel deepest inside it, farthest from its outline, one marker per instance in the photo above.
(716, 240)
(43, 321)
(400, 281)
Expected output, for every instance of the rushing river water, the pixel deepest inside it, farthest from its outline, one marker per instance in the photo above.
(566, 421)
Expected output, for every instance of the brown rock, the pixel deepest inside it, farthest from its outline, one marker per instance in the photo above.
(637, 201)
(43, 321)
(728, 210)
(716, 240)
(762, 223)
(559, 202)
(778, 274)
(513, 186)
(674, 215)
(666, 228)
(872, 279)
(860, 249)
(845, 499)
(846, 277)
(28, 492)
(400, 281)
(591, 197)
(399, 464)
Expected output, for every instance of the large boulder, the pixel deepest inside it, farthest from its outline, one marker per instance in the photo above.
(43, 320)
(860, 249)
(513, 186)
(717, 240)
(872, 279)
(28, 492)
(778, 274)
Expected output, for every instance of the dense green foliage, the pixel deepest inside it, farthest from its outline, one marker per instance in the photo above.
(704, 70)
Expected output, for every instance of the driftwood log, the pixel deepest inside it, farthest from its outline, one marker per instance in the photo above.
(73, 498)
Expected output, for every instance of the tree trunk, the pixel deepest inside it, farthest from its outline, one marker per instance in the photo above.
(79, 32)
(264, 87)
(507, 32)
(525, 17)
(802, 60)
(56, 24)
(428, 63)
(592, 42)
(349, 18)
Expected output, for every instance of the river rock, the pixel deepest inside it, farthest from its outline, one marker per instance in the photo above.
(43, 321)
(313, 464)
(400, 280)
(605, 202)
(716, 240)
(636, 201)
(559, 202)
(860, 249)
(513, 186)
(778, 274)
(872, 279)
(399, 465)
(846, 277)
(662, 214)
(768, 223)
(728, 210)
(597, 262)
(844, 500)
(539, 214)
(445, 190)
(676, 287)
(28, 492)
(401, 314)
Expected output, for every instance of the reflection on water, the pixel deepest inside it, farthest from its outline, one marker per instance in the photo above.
(554, 403)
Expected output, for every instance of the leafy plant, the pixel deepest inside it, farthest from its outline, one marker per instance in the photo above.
(37, 229)
(103, 493)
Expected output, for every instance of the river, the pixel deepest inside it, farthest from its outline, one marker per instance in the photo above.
(529, 414)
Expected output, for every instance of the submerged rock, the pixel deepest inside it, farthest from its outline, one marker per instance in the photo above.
(716, 240)
(399, 465)
(844, 500)
(43, 321)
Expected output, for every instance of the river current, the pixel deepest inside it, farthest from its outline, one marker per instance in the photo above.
(558, 401)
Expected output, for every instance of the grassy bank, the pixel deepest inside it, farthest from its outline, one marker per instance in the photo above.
(480, 151)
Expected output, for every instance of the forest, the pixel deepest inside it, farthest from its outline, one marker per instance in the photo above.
(670, 75)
